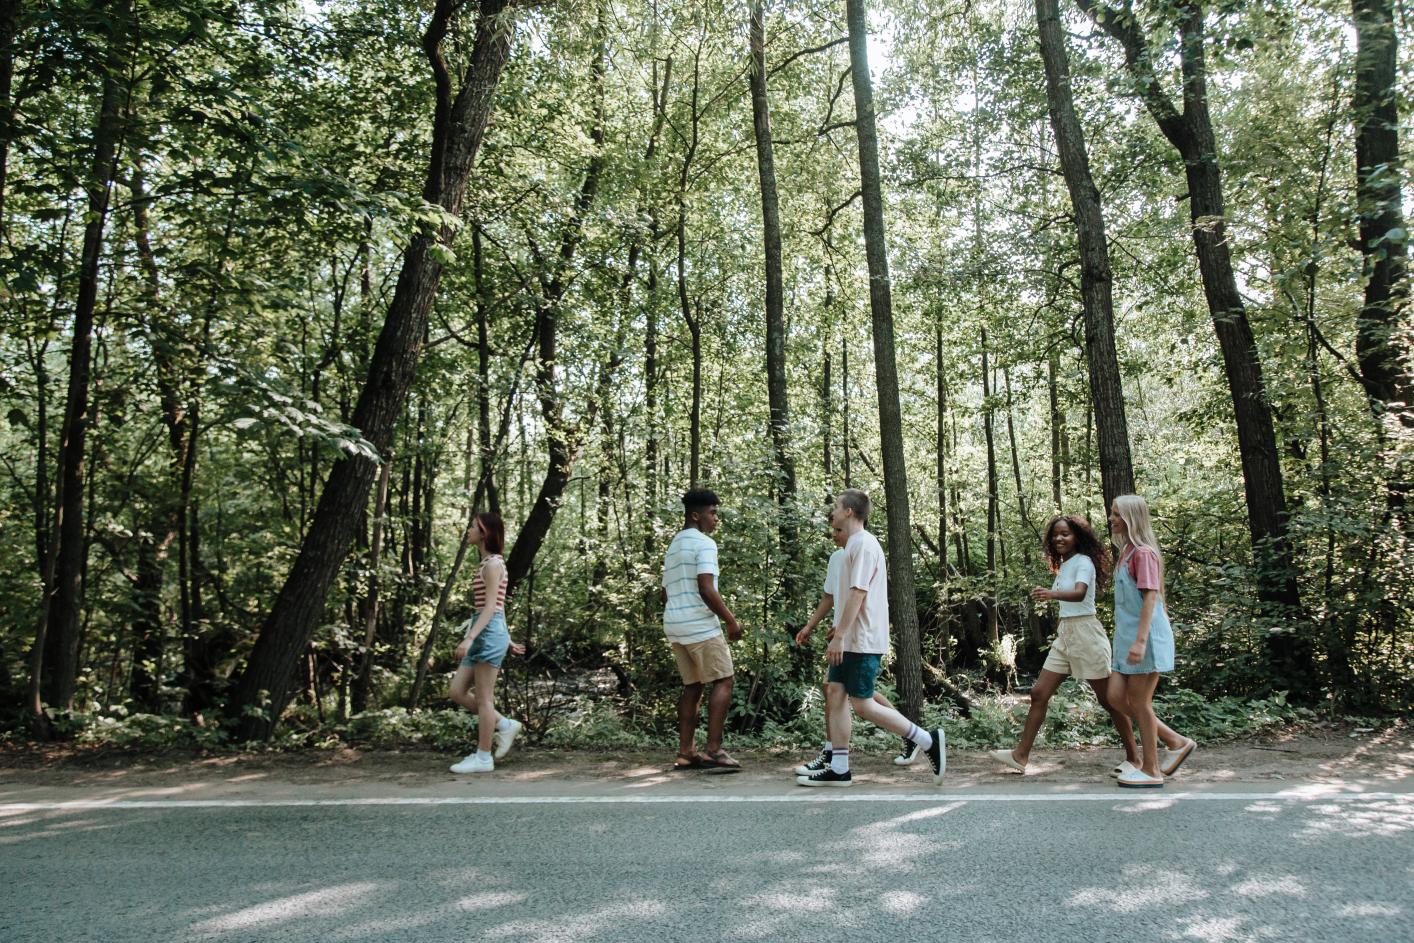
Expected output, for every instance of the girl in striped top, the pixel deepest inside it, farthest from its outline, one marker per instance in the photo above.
(486, 643)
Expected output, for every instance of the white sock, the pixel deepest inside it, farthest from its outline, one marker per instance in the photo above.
(918, 735)
(839, 759)
(828, 746)
(503, 724)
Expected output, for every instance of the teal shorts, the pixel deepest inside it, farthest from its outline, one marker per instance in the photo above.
(857, 672)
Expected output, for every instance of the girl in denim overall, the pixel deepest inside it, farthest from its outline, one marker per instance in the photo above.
(1143, 642)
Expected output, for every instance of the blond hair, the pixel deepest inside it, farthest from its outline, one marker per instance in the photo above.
(854, 501)
(1138, 529)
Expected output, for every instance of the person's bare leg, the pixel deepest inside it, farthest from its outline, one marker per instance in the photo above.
(1047, 682)
(484, 675)
(1124, 724)
(841, 723)
(689, 702)
(718, 702)
(880, 716)
(1141, 704)
(825, 687)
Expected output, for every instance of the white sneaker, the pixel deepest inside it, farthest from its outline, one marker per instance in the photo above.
(501, 740)
(477, 762)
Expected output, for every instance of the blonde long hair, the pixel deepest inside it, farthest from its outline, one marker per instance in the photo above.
(1138, 530)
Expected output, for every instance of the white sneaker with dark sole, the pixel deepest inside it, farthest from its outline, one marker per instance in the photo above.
(910, 754)
(501, 740)
(822, 761)
(826, 777)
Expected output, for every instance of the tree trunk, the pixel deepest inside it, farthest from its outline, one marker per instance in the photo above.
(375, 553)
(903, 603)
(487, 478)
(1384, 368)
(776, 394)
(989, 435)
(940, 376)
(1106, 389)
(459, 125)
(67, 585)
(10, 11)
(1057, 431)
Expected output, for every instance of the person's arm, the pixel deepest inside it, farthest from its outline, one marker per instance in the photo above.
(707, 588)
(1077, 594)
(491, 573)
(827, 602)
(853, 606)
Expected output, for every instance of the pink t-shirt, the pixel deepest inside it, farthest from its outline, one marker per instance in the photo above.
(1143, 565)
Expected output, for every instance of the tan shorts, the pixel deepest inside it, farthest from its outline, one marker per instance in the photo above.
(1081, 649)
(704, 662)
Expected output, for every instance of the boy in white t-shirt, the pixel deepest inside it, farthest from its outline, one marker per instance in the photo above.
(831, 602)
(1081, 647)
(858, 642)
(692, 607)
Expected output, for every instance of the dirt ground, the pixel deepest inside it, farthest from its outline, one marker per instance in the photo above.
(1380, 758)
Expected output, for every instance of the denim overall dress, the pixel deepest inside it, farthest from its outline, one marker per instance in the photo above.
(1158, 654)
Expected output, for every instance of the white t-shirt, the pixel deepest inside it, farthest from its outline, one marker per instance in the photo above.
(832, 582)
(686, 618)
(1078, 569)
(864, 568)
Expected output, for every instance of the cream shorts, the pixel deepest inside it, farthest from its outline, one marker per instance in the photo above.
(1081, 649)
(705, 661)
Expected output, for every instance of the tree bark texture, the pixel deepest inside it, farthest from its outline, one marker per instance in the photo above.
(903, 603)
(1096, 281)
(458, 127)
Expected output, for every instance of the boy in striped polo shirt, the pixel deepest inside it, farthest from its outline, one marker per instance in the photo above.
(692, 608)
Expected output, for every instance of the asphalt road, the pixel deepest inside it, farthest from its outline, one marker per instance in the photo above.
(1084, 866)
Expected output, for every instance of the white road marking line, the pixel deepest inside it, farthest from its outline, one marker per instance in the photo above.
(12, 808)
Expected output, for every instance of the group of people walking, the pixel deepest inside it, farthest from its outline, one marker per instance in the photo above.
(699, 627)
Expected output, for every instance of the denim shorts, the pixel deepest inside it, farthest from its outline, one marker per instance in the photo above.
(491, 645)
(857, 672)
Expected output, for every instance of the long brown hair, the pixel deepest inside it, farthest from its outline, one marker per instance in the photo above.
(1085, 542)
(494, 529)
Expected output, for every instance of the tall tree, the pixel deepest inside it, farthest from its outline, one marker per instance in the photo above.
(776, 396)
(459, 124)
(1096, 281)
(903, 602)
(66, 588)
(1384, 368)
(1190, 131)
(564, 438)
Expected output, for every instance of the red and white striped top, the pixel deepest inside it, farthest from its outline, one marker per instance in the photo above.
(478, 585)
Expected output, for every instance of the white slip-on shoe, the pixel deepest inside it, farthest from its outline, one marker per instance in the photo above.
(1138, 779)
(501, 740)
(1006, 759)
(1124, 767)
(477, 762)
(1173, 759)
